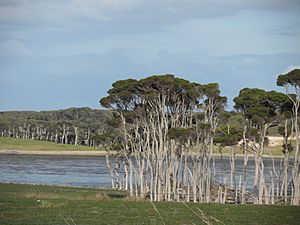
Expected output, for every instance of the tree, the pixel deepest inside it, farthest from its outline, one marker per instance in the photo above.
(162, 118)
(261, 110)
(291, 82)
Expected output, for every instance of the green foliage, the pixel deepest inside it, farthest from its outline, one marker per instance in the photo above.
(181, 134)
(248, 98)
(199, 116)
(228, 136)
(45, 125)
(281, 130)
(130, 116)
(171, 105)
(204, 126)
(287, 148)
(121, 96)
(113, 121)
(252, 134)
(104, 137)
(290, 78)
(127, 95)
(211, 89)
(81, 117)
(110, 140)
(116, 147)
(261, 106)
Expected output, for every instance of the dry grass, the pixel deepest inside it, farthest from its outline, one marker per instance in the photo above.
(134, 198)
(50, 204)
(101, 196)
(40, 195)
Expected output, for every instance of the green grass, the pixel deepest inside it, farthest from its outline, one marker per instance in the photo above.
(38, 204)
(271, 150)
(34, 145)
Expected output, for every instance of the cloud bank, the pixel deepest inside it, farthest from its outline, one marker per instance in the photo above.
(80, 47)
(160, 11)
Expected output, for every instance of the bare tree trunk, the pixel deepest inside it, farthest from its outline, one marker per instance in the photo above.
(126, 177)
(296, 172)
(130, 177)
(285, 164)
(261, 184)
(63, 141)
(232, 168)
(272, 190)
(110, 171)
(87, 141)
(76, 135)
(244, 188)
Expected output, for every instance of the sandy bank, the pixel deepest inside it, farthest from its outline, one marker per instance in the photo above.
(93, 153)
(48, 152)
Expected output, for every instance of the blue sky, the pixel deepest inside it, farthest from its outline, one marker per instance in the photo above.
(57, 54)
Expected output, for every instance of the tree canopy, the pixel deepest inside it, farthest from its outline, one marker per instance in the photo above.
(261, 106)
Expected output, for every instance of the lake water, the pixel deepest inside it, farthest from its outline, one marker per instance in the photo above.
(90, 171)
(55, 170)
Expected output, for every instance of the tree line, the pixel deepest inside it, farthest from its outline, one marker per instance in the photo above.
(165, 129)
(78, 126)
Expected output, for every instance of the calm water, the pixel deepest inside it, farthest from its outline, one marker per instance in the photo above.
(59, 170)
(90, 170)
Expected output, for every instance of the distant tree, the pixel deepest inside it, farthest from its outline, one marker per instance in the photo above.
(291, 82)
(228, 136)
(70, 126)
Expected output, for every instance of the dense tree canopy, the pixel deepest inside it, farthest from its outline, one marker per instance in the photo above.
(261, 106)
(291, 78)
(61, 126)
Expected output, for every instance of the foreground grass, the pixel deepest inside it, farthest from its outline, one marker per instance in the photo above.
(34, 145)
(38, 204)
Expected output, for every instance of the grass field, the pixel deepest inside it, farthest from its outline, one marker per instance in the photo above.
(33, 145)
(271, 150)
(38, 204)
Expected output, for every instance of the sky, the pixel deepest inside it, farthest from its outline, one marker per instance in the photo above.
(57, 54)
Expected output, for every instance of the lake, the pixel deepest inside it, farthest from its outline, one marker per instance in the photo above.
(91, 171)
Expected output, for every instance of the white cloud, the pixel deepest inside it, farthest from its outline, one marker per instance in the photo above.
(164, 11)
(36, 11)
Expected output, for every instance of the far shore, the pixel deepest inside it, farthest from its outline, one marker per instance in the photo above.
(37, 147)
(48, 152)
(96, 153)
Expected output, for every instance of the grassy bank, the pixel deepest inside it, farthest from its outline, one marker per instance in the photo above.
(33, 145)
(37, 204)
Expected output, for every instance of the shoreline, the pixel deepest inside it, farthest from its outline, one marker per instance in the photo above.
(52, 152)
(97, 153)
